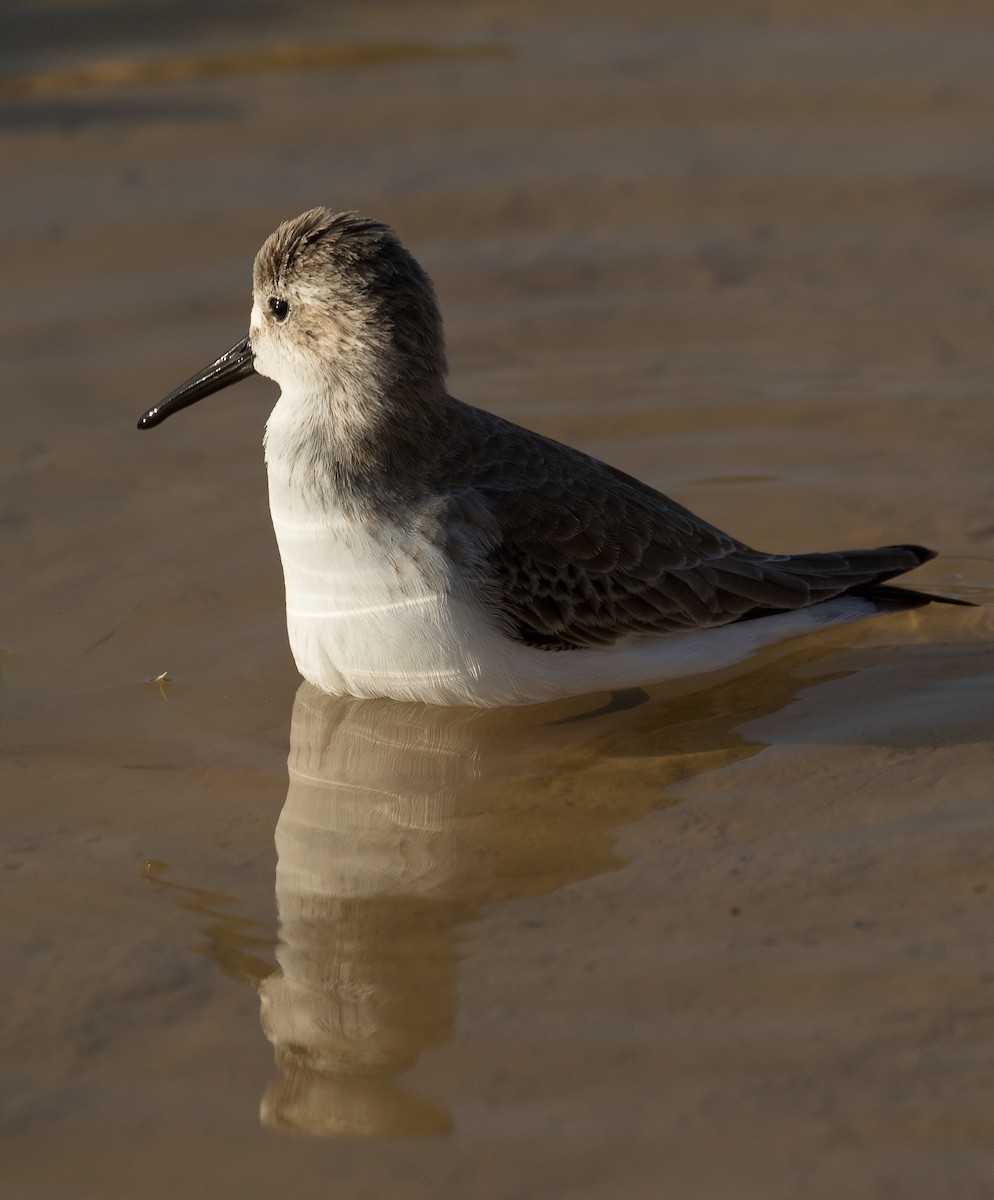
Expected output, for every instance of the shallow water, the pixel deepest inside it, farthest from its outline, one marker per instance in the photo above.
(735, 941)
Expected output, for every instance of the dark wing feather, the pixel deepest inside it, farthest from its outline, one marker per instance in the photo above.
(578, 554)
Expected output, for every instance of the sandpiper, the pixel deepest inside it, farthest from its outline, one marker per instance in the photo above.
(435, 552)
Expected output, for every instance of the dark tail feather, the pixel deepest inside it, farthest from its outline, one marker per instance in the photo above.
(883, 593)
(862, 573)
(905, 597)
(841, 570)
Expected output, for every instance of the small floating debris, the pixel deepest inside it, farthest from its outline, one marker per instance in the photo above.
(160, 681)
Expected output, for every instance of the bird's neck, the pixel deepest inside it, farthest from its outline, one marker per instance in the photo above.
(344, 443)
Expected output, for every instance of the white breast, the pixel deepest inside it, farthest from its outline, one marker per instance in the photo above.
(363, 618)
(370, 611)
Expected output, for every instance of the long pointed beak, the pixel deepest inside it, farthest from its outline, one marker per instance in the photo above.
(233, 365)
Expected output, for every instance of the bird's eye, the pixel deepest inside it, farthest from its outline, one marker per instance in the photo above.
(279, 308)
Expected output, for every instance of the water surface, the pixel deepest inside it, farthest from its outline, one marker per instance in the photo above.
(735, 941)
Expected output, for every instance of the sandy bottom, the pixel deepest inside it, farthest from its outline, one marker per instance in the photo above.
(735, 942)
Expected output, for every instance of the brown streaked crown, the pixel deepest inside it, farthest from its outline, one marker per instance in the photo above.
(360, 266)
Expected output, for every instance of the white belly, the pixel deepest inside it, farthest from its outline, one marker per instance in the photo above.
(366, 619)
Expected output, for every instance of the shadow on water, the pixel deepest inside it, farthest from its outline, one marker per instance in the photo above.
(401, 823)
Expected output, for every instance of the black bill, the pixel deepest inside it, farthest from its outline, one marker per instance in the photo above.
(233, 365)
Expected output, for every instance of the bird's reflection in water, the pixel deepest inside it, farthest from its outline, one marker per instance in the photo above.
(367, 959)
(401, 821)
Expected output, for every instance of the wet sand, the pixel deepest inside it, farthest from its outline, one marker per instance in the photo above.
(733, 942)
